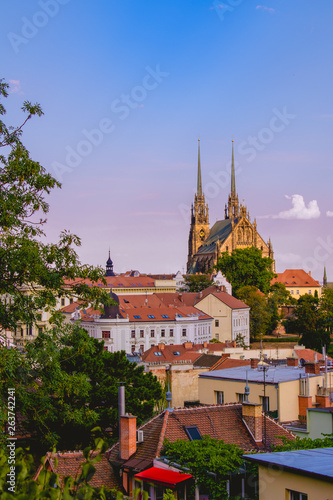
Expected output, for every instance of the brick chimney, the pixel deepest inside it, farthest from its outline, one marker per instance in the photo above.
(304, 402)
(292, 361)
(188, 345)
(161, 346)
(252, 416)
(128, 436)
(254, 362)
(313, 368)
(323, 401)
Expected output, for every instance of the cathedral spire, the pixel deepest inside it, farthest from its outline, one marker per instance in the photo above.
(199, 183)
(325, 278)
(233, 180)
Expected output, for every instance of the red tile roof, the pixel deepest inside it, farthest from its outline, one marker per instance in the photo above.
(70, 464)
(218, 421)
(117, 282)
(227, 362)
(309, 355)
(295, 277)
(195, 298)
(188, 351)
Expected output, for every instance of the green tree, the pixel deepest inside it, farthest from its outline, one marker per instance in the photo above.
(210, 461)
(259, 314)
(304, 443)
(246, 267)
(32, 272)
(311, 323)
(66, 383)
(277, 297)
(197, 282)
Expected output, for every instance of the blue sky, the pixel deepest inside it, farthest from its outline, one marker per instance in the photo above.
(127, 89)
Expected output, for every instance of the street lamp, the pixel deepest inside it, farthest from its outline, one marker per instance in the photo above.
(262, 366)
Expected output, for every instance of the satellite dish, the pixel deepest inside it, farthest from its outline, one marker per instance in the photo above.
(302, 362)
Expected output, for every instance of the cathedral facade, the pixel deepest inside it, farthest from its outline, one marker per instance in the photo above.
(236, 230)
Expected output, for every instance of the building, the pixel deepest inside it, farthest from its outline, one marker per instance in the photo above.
(137, 322)
(140, 450)
(295, 475)
(298, 282)
(283, 391)
(206, 245)
(319, 421)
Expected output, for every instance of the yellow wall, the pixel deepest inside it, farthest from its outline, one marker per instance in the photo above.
(303, 290)
(274, 485)
(219, 311)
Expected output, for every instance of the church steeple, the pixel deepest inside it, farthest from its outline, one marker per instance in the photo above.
(199, 183)
(232, 210)
(325, 278)
(199, 218)
(109, 267)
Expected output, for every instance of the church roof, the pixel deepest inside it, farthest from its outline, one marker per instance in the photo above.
(220, 231)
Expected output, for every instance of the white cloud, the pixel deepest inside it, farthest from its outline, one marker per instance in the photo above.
(15, 86)
(329, 213)
(267, 9)
(298, 211)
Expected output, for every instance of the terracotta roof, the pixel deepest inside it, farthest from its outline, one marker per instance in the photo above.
(309, 355)
(116, 282)
(218, 421)
(188, 350)
(295, 277)
(70, 463)
(206, 360)
(191, 298)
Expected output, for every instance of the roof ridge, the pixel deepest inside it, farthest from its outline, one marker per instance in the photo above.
(163, 430)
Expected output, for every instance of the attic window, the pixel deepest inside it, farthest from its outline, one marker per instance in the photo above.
(179, 315)
(151, 316)
(176, 353)
(158, 353)
(126, 301)
(165, 316)
(193, 433)
(136, 316)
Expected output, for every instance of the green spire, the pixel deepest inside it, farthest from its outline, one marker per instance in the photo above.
(199, 184)
(233, 181)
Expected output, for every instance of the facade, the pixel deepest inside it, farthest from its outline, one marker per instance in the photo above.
(319, 421)
(295, 475)
(206, 245)
(283, 391)
(298, 282)
(140, 322)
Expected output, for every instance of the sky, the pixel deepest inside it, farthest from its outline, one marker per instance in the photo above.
(128, 87)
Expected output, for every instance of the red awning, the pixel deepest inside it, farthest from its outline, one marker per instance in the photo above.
(162, 476)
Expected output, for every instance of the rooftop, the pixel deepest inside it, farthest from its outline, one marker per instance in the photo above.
(316, 463)
(274, 375)
(295, 277)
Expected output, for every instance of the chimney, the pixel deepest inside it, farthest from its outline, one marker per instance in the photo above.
(188, 345)
(161, 346)
(304, 402)
(313, 368)
(254, 363)
(128, 436)
(309, 273)
(204, 344)
(292, 361)
(252, 416)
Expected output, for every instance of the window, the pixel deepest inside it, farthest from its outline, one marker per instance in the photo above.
(217, 336)
(171, 332)
(240, 397)
(310, 292)
(176, 353)
(193, 433)
(106, 335)
(296, 495)
(264, 400)
(151, 316)
(291, 292)
(132, 334)
(162, 333)
(184, 332)
(71, 301)
(133, 348)
(219, 397)
(136, 316)
(158, 353)
(142, 334)
(152, 333)
(142, 348)
(40, 329)
(217, 323)
(297, 292)
(105, 348)
(165, 316)
(21, 332)
(62, 302)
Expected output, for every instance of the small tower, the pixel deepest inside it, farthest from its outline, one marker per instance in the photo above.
(109, 267)
(199, 228)
(232, 210)
(325, 278)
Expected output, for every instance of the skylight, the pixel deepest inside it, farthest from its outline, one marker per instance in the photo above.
(136, 316)
(176, 353)
(165, 316)
(193, 433)
(151, 316)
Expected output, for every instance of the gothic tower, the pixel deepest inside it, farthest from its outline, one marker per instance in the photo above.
(109, 267)
(232, 209)
(199, 228)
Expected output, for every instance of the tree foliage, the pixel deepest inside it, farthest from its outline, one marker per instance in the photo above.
(259, 313)
(197, 282)
(246, 267)
(209, 460)
(304, 443)
(66, 383)
(32, 272)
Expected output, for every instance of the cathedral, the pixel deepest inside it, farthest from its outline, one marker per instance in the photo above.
(236, 230)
